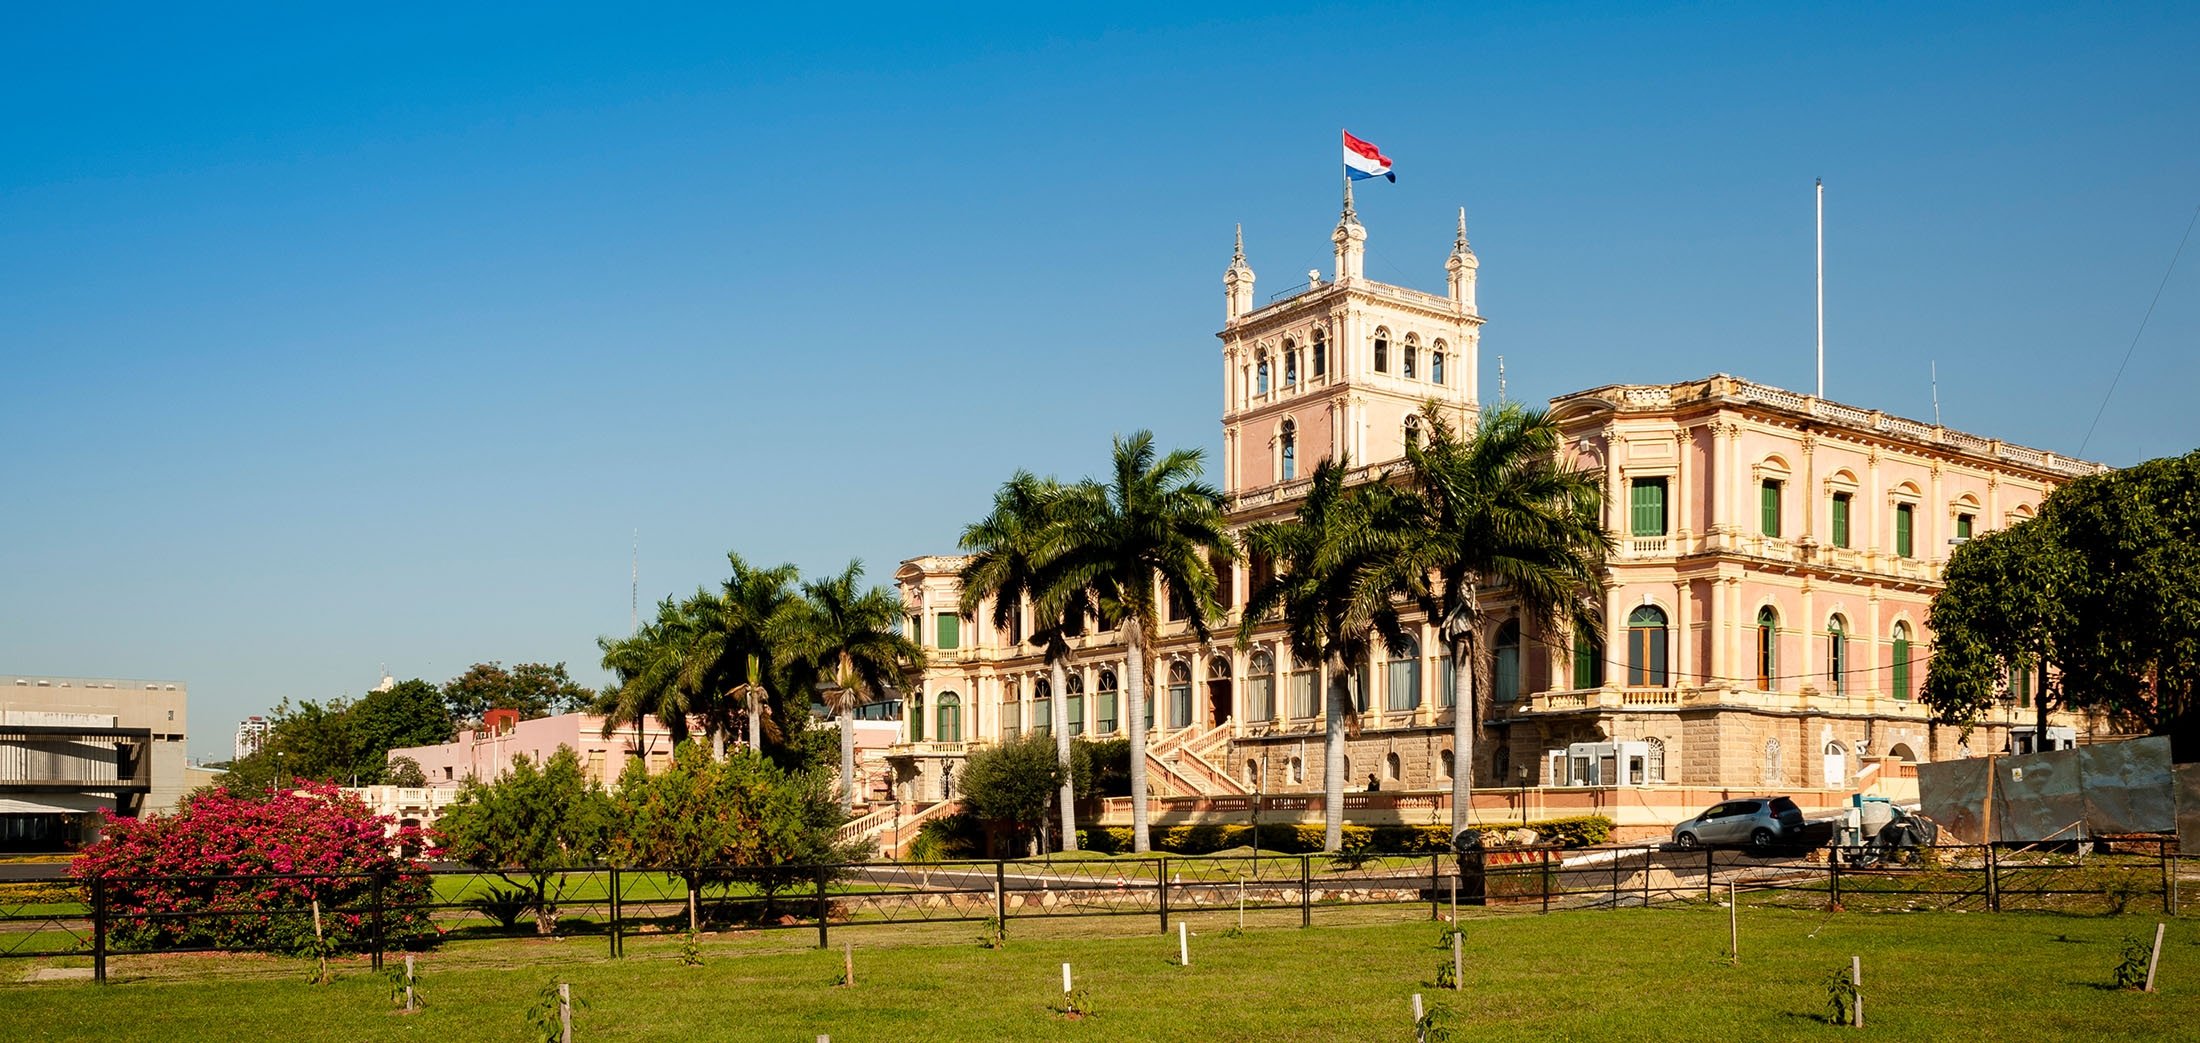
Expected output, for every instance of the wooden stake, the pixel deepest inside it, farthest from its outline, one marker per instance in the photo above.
(565, 1013)
(1455, 900)
(2154, 956)
(408, 982)
(1458, 961)
(1856, 978)
(1183, 944)
(848, 958)
(320, 951)
(1241, 904)
(1418, 1033)
(1065, 979)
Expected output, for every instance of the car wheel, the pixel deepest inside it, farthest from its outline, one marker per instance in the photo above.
(1687, 841)
(1761, 839)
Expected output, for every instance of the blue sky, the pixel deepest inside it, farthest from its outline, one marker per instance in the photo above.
(330, 343)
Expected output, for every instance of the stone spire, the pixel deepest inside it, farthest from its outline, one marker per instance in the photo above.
(1237, 282)
(1462, 267)
(1350, 238)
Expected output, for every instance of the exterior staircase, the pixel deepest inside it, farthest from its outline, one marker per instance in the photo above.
(894, 826)
(1180, 763)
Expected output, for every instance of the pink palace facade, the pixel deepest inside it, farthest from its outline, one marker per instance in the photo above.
(1766, 606)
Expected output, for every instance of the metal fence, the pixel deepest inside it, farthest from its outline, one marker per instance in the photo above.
(375, 914)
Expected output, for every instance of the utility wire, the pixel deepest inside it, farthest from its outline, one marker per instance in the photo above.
(2097, 414)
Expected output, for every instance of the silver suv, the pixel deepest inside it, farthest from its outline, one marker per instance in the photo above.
(1762, 823)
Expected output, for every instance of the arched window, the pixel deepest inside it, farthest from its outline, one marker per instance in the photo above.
(1382, 351)
(1901, 660)
(1412, 359)
(1012, 712)
(1290, 363)
(1252, 773)
(1773, 770)
(1393, 768)
(1042, 707)
(1321, 353)
(1505, 672)
(1768, 647)
(916, 717)
(1837, 656)
(1180, 694)
(1298, 770)
(1260, 373)
(1901, 751)
(1290, 439)
(1654, 761)
(1646, 641)
(1260, 686)
(1588, 661)
(1436, 364)
(1445, 761)
(950, 714)
(1404, 691)
(1413, 431)
(1073, 690)
(1837, 765)
(1107, 718)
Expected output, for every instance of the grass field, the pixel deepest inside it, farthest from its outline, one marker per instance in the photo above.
(1626, 974)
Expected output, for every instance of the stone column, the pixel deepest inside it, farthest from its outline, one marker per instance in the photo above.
(1684, 639)
(1684, 516)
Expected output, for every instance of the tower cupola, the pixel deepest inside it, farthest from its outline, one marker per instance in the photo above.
(1237, 282)
(1350, 238)
(1462, 267)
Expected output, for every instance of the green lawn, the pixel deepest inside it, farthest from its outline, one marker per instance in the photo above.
(1627, 974)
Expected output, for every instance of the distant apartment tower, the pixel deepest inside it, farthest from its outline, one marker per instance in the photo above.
(71, 747)
(251, 735)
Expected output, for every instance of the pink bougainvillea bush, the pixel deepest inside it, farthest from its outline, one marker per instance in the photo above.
(256, 863)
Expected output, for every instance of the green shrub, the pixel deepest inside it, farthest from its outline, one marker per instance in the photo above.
(1580, 831)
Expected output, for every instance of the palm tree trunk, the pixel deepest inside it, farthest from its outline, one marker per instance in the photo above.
(1134, 689)
(1060, 710)
(848, 754)
(1338, 706)
(1462, 735)
(756, 722)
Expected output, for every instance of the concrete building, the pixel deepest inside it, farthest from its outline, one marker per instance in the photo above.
(251, 735)
(72, 746)
(1765, 607)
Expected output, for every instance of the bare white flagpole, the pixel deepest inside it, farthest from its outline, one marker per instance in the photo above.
(1821, 287)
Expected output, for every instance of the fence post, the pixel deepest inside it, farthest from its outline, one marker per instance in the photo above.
(1306, 884)
(1000, 895)
(1161, 883)
(1833, 869)
(2169, 903)
(618, 937)
(1649, 864)
(377, 963)
(1435, 889)
(1993, 879)
(99, 929)
(1710, 869)
(1546, 877)
(1615, 880)
(822, 909)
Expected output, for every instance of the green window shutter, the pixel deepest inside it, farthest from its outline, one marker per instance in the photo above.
(1648, 507)
(1769, 503)
(1902, 668)
(1841, 519)
(950, 630)
(1963, 526)
(1903, 516)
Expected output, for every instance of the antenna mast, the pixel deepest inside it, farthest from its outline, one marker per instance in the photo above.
(634, 588)
(1936, 392)
(1500, 380)
(1821, 287)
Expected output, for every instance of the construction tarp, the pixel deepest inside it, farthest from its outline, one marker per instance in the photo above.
(2119, 787)
(2188, 807)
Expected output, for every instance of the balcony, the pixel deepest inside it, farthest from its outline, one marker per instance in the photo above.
(930, 749)
(1606, 698)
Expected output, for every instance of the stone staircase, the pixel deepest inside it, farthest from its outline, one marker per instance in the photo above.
(1180, 761)
(894, 826)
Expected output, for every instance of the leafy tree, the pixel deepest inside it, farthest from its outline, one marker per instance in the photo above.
(2005, 606)
(1153, 524)
(1011, 782)
(405, 771)
(704, 814)
(847, 643)
(534, 689)
(266, 858)
(410, 713)
(1501, 508)
(1009, 549)
(1322, 553)
(343, 741)
(536, 821)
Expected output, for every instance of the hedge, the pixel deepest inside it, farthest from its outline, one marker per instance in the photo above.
(1295, 838)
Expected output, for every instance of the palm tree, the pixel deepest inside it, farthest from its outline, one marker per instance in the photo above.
(1323, 555)
(647, 666)
(755, 605)
(708, 658)
(1498, 509)
(848, 641)
(1009, 549)
(1153, 523)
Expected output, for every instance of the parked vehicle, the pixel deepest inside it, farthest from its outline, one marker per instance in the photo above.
(1761, 823)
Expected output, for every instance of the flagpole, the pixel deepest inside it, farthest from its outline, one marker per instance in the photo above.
(1821, 287)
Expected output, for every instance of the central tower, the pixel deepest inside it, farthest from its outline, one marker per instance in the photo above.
(1343, 365)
